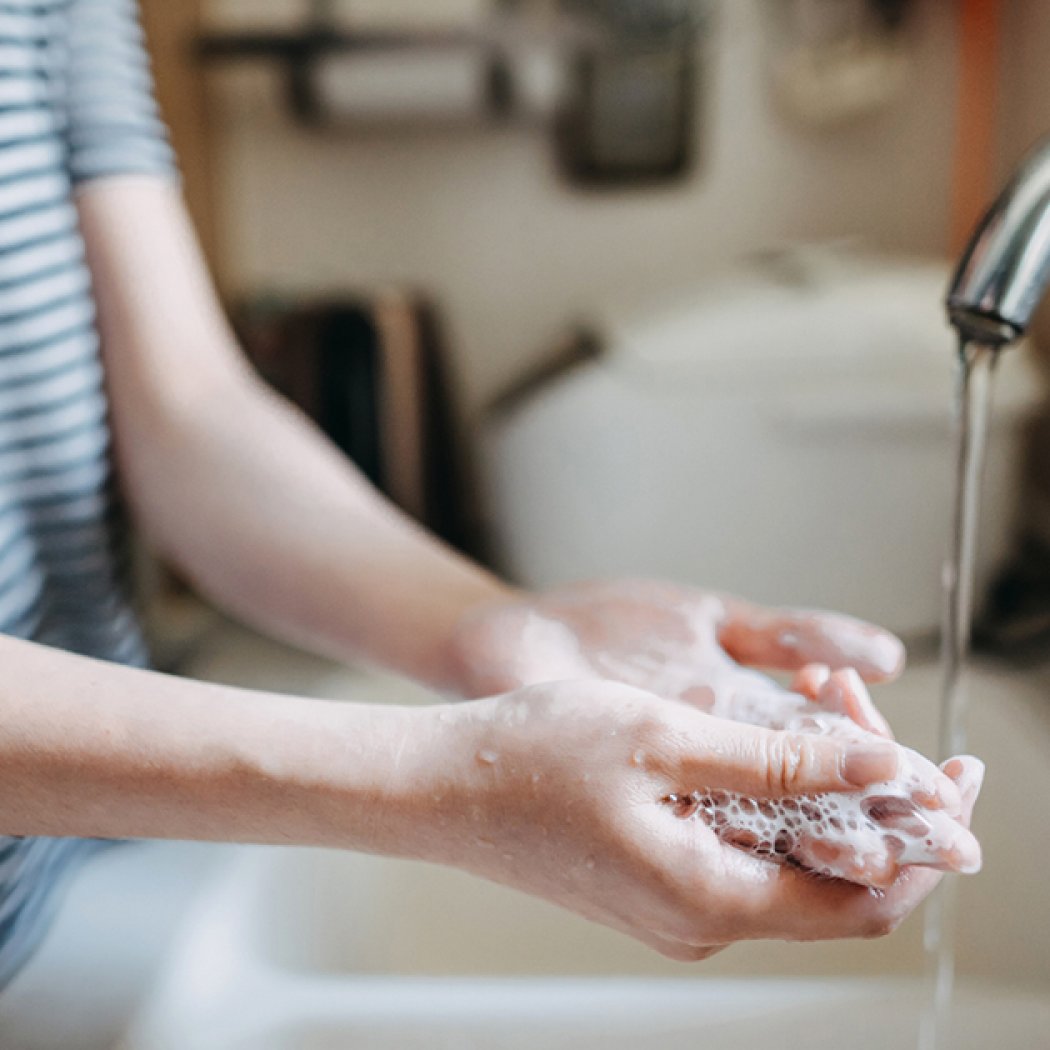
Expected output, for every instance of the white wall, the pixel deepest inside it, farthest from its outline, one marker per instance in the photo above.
(482, 220)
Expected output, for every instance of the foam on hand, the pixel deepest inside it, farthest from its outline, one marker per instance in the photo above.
(865, 836)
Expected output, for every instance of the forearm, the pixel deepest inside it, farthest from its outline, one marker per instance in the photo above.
(236, 487)
(271, 522)
(94, 749)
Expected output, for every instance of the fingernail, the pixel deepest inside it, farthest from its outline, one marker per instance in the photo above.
(870, 764)
(972, 777)
(886, 654)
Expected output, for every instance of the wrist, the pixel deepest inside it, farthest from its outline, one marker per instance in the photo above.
(345, 776)
(437, 795)
(465, 641)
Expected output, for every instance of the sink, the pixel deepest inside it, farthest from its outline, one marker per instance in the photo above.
(312, 949)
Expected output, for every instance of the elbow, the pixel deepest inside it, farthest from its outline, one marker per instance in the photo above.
(166, 444)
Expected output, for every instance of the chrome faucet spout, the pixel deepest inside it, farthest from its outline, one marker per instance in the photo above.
(1005, 268)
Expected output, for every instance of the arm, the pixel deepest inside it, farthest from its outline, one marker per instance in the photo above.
(492, 786)
(243, 494)
(231, 483)
(94, 749)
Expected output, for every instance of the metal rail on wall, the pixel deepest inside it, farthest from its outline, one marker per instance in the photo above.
(628, 74)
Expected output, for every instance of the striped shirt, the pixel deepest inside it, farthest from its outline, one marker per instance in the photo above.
(75, 105)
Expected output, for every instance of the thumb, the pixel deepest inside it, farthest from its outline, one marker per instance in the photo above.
(768, 763)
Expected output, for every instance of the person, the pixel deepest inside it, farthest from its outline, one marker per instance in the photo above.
(583, 710)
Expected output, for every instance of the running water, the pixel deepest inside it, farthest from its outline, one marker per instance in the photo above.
(973, 403)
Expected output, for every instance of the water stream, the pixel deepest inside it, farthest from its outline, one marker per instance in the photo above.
(976, 371)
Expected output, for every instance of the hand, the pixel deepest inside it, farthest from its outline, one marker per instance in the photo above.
(685, 645)
(868, 836)
(676, 642)
(562, 791)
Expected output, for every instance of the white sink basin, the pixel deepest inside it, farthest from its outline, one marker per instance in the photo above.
(315, 950)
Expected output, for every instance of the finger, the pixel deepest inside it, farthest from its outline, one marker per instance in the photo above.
(968, 774)
(844, 692)
(809, 680)
(760, 900)
(877, 868)
(786, 640)
(931, 838)
(952, 847)
(782, 902)
(788, 903)
(928, 785)
(963, 858)
(767, 763)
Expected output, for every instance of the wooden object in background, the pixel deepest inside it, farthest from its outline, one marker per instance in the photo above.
(977, 116)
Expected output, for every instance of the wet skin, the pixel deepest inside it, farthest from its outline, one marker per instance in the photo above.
(693, 646)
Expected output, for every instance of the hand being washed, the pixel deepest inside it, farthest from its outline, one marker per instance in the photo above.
(689, 645)
(562, 790)
(673, 641)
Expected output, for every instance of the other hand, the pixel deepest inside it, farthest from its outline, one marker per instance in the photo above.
(679, 643)
(562, 790)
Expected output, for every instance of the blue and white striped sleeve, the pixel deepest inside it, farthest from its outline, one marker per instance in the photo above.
(114, 127)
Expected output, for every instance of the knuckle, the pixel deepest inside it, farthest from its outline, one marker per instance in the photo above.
(791, 763)
(649, 731)
(650, 722)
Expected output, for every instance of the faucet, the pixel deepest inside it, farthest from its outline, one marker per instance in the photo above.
(1006, 266)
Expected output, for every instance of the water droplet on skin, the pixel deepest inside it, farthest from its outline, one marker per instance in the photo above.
(535, 778)
(586, 777)
(590, 863)
(638, 758)
(487, 757)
